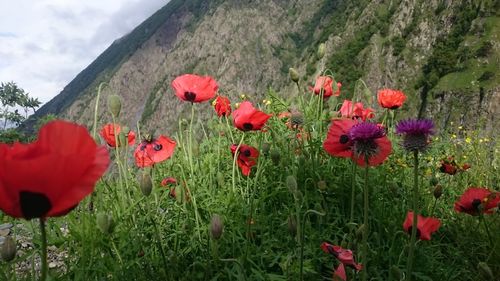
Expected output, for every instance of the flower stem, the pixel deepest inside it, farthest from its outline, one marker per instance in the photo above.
(481, 217)
(365, 223)
(43, 257)
(353, 190)
(234, 162)
(413, 237)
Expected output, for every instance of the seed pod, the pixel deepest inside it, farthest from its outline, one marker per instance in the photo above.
(146, 184)
(216, 227)
(114, 105)
(105, 223)
(8, 250)
(292, 225)
(321, 51)
(294, 75)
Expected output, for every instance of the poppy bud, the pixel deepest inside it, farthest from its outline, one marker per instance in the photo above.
(8, 250)
(395, 273)
(297, 118)
(485, 271)
(216, 227)
(291, 183)
(105, 223)
(321, 50)
(266, 147)
(292, 225)
(438, 191)
(146, 184)
(294, 75)
(114, 105)
(275, 156)
(322, 185)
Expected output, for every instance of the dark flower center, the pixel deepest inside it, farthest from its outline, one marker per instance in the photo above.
(143, 147)
(247, 126)
(157, 147)
(246, 152)
(344, 139)
(475, 204)
(190, 96)
(33, 204)
(394, 107)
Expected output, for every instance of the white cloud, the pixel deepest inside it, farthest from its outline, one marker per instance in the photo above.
(44, 44)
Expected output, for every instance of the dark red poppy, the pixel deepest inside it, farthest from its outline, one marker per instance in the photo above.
(247, 157)
(151, 152)
(477, 200)
(108, 134)
(425, 226)
(448, 168)
(49, 177)
(345, 256)
(194, 88)
(247, 118)
(338, 143)
(391, 99)
(167, 181)
(348, 110)
(222, 106)
(324, 84)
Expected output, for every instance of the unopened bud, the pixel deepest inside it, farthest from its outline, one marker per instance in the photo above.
(395, 273)
(294, 75)
(485, 271)
(216, 227)
(291, 183)
(321, 50)
(297, 118)
(105, 223)
(292, 225)
(146, 184)
(438, 191)
(8, 250)
(114, 105)
(275, 156)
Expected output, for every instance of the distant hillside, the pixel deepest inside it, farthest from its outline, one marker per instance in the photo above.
(444, 54)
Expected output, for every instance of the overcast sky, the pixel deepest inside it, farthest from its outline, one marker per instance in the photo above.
(44, 44)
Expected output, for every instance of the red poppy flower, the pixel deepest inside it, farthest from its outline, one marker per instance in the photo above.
(194, 88)
(151, 152)
(425, 226)
(337, 142)
(50, 176)
(477, 200)
(391, 99)
(247, 118)
(357, 111)
(108, 134)
(339, 273)
(325, 84)
(345, 256)
(167, 181)
(247, 157)
(222, 106)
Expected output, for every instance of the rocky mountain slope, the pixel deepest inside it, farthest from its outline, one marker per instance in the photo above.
(445, 54)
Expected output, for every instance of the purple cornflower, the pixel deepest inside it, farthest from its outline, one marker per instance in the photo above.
(415, 133)
(369, 142)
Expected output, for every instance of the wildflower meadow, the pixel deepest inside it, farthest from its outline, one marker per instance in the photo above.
(323, 185)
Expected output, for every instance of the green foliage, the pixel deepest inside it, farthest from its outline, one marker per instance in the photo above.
(398, 44)
(12, 98)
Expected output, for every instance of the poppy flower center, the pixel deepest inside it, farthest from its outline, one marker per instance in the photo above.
(418, 231)
(247, 126)
(394, 107)
(475, 204)
(343, 139)
(34, 204)
(190, 96)
(246, 152)
(157, 147)
(143, 147)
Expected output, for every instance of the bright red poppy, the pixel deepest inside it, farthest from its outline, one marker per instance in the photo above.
(151, 152)
(194, 88)
(248, 118)
(50, 176)
(222, 106)
(167, 181)
(348, 110)
(477, 200)
(108, 134)
(338, 143)
(344, 256)
(324, 84)
(391, 99)
(247, 157)
(425, 226)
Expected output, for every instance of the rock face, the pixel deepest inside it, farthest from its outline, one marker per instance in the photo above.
(248, 46)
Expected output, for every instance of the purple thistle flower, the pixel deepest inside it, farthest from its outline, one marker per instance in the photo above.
(363, 136)
(415, 133)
